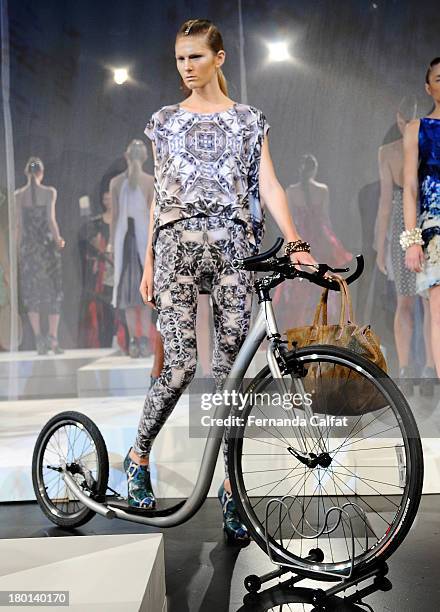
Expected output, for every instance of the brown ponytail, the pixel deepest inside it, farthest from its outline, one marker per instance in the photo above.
(214, 40)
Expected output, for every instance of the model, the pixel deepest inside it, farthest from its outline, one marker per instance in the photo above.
(421, 242)
(391, 258)
(309, 206)
(39, 257)
(212, 161)
(131, 196)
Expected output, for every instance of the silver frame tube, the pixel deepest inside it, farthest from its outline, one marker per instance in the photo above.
(248, 349)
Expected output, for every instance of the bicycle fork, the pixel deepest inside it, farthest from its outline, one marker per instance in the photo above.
(275, 355)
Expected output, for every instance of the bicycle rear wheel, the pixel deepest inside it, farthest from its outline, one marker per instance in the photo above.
(71, 440)
(354, 446)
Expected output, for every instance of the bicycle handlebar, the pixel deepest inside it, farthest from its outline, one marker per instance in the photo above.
(268, 262)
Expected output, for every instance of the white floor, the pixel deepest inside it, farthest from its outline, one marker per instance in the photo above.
(88, 568)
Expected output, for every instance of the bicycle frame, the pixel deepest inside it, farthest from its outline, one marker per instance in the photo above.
(265, 324)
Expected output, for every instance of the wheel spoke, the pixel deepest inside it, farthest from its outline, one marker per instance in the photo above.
(326, 475)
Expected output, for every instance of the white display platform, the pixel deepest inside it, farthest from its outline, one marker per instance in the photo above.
(124, 573)
(174, 461)
(28, 375)
(118, 375)
(114, 375)
(80, 373)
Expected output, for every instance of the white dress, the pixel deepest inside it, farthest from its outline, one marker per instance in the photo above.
(132, 203)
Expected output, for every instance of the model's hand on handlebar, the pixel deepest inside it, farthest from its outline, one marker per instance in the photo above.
(302, 257)
(146, 286)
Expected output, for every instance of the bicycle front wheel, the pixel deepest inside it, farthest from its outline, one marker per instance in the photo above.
(71, 441)
(336, 465)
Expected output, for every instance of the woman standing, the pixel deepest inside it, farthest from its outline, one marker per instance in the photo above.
(131, 195)
(97, 322)
(422, 178)
(212, 161)
(309, 206)
(391, 259)
(39, 255)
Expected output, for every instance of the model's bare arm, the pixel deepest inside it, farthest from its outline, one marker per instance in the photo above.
(325, 207)
(275, 196)
(146, 287)
(17, 199)
(53, 220)
(414, 257)
(276, 201)
(384, 209)
(410, 168)
(115, 213)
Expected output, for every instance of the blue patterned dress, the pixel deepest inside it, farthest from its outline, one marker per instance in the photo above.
(429, 202)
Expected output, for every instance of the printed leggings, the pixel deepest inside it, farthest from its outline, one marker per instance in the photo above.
(185, 252)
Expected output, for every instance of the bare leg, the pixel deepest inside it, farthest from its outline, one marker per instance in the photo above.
(145, 318)
(434, 305)
(158, 355)
(34, 318)
(403, 328)
(131, 318)
(54, 320)
(429, 359)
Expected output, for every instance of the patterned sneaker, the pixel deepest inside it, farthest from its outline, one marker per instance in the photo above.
(234, 529)
(140, 491)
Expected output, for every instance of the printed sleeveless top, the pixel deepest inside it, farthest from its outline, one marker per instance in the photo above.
(208, 164)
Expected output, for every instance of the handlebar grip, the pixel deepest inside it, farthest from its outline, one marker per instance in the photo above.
(333, 285)
(254, 259)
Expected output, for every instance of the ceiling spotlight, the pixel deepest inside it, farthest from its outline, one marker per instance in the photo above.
(278, 52)
(120, 75)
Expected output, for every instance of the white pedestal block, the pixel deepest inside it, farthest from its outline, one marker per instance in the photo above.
(115, 375)
(28, 375)
(124, 573)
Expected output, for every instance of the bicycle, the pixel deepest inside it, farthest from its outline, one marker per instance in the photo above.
(291, 484)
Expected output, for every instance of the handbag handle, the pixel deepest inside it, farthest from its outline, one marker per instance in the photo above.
(346, 314)
(346, 310)
(321, 310)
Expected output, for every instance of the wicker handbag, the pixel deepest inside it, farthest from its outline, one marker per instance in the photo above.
(339, 390)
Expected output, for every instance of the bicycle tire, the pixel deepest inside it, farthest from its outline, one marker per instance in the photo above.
(60, 420)
(406, 513)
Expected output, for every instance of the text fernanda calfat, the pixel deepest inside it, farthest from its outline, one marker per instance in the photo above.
(236, 421)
